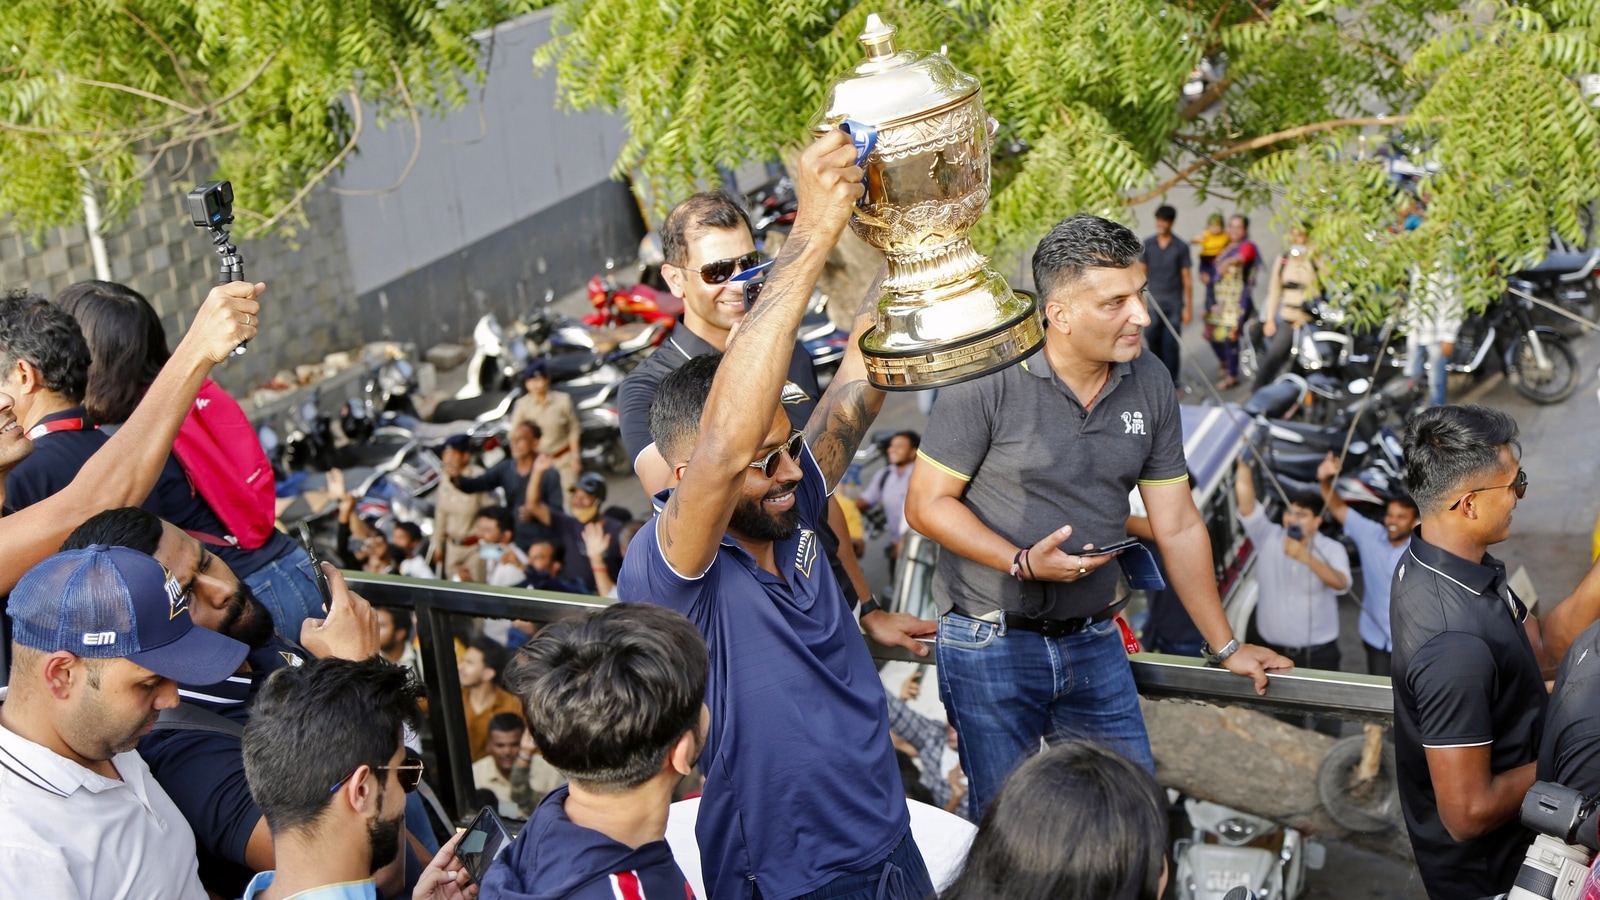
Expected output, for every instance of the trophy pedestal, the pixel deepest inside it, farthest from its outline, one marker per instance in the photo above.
(911, 347)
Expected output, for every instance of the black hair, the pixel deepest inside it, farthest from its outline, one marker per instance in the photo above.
(507, 722)
(705, 211)
(1243, 219)
(400, 617)
(912, 436)
(609, 694)
(1166, 213)
(1305, 497)
(311, 726)
(1404, 499)
(45, 335)
(127, 345)
(412, 530)
(1077, 820)
(617, 513)
(499, 515)
(558, 552)
(1078, 243)
(494, 656)
(131, 527)
(1448, 446)
(679, 402)
(538, 433)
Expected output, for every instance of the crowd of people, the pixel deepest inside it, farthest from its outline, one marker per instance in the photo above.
(189, 715)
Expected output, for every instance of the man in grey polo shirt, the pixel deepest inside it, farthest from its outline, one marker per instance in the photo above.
(1024, 472)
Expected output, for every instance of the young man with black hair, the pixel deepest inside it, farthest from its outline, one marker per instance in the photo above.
(887, 488)
(1024, 471)
(481, 694)
(1380, 546)
(511, 476)
(503, 558)
(1166, 263)
(1470, 661)
(615, 700)
(326, 762)
(735, 548)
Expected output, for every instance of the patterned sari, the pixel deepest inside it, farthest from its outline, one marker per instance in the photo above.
(1230, 292)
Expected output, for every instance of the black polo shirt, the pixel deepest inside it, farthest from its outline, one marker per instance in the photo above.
(1034, 460)
(800, 393)
(1464, 676)
(1164, 266)
(1569, 753)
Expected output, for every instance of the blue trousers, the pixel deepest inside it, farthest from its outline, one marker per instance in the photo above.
(288, 590)
(902, 876)
(1005, 691)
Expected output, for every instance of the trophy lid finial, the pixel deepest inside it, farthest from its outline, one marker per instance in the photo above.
(878, 38)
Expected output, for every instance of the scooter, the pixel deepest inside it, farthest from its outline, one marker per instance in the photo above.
(1228, 850)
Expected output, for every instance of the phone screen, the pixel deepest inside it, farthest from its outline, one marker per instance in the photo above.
(482, 843)
(1109, 548)
(316, 567)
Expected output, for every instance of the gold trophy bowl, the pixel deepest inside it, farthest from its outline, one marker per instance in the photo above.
(945, 315)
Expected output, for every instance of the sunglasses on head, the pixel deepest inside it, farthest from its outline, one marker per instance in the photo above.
(1518, 487)
(721, 270)
(769, 464)
(408, 772)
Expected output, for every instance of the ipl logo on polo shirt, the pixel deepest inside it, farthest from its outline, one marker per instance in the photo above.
(177, 597)
(805, 555)
(1133, 423)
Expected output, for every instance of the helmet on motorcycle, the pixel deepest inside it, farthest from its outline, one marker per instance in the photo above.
(535, 369)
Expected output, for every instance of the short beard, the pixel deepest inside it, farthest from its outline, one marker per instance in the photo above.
(751, 521)
(383, 837)
(247, 620)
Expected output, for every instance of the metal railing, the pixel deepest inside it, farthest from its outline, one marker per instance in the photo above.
(435, 603)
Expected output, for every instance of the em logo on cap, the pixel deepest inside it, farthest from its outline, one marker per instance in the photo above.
(114, 603)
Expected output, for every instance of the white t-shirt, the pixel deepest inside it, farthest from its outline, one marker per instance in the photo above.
(67, 832)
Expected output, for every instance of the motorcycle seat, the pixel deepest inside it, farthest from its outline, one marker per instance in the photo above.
(1557, 264)
(1301, 434)
(1273, 400)
(567, 366)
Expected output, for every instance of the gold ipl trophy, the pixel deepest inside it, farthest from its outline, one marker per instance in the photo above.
(946, 315)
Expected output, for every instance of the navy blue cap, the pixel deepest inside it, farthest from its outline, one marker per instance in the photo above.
(534, 368)
(115, 603)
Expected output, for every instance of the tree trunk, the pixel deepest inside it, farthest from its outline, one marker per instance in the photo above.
(1252, 762)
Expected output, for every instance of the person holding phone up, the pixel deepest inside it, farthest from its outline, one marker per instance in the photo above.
(1300, 573)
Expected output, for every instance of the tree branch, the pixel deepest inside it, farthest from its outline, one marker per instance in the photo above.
(1256, 143)
(171, 56)
(334, 163)
(127, 89)
(416, 144)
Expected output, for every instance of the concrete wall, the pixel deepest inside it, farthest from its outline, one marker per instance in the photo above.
(509, 198)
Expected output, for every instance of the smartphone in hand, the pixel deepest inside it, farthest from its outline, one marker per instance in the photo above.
(316, 567)
(485, 838)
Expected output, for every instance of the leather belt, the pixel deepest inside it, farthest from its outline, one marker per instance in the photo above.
(1052, 628)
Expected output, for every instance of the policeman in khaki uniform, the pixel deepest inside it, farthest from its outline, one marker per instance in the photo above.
(558, 425)
(456, 512)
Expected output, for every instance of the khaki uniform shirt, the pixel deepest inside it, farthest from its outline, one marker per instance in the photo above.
(455, 513)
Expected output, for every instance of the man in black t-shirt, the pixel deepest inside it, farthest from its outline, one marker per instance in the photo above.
(1569, 753)
(1469, 660)
(1166, 262)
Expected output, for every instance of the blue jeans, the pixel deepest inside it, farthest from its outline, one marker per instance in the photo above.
(1006, 690)
(1430, 357)
(288, 590)
(902, 876)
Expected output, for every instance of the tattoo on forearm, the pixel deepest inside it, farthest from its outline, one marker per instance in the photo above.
(839, 422)
(668, 517)
(869, 302)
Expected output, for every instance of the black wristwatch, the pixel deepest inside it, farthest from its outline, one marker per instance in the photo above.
(869, 605)
(1221, 656)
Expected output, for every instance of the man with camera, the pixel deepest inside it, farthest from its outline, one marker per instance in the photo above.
(1470, 662)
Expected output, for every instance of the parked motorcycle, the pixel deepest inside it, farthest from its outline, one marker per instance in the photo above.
(1537, 359)
(618, 304)
(386, 398)
(1228, 849)
(1567, 280)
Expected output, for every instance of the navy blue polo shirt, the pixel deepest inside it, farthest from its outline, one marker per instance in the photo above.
(1569, 752)
(801, 780)
(203, 771)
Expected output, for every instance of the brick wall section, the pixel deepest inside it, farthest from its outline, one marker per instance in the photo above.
(310, 306)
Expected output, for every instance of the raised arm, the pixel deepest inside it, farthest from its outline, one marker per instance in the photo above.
(1327, 474)
(848, 407)
(123, 471)
(745, 394)
(1244, 488)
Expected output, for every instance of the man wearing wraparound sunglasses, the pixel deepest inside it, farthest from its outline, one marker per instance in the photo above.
(1470, 661)
(707, 244)
(803, 795)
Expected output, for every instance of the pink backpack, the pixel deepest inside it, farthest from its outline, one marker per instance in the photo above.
(222, 456)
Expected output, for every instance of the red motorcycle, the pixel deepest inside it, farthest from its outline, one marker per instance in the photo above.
(647, 300)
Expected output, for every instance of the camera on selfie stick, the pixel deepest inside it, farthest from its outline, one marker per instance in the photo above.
(1557, 864)
(211, 207)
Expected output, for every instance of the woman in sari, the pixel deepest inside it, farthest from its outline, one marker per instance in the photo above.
(1228, 300)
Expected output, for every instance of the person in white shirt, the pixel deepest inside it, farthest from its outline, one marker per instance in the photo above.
(1300, 573)
(887, 487)
(100, 638)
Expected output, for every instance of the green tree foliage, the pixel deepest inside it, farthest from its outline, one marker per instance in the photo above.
(1091, 90)
(94, 93)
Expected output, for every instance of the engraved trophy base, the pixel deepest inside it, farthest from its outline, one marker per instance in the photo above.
(947, 361)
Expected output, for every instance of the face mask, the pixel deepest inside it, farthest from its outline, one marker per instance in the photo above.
(490, 552)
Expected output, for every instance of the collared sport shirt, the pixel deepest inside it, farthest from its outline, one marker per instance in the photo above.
(1296, 609)
(1379, 559)
(1464, 676)
(1034, 460)
(68, 832)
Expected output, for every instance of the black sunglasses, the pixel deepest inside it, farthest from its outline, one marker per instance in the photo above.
(1518, 487)
(408, 772)
(769, 464)
(721, 270)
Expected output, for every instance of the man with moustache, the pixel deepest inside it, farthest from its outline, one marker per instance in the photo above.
(99, 638)
(1021, 474)
(792, 687)
(328, 764)
(201, 767)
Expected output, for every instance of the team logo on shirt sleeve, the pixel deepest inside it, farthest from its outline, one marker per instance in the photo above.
(805, 555)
